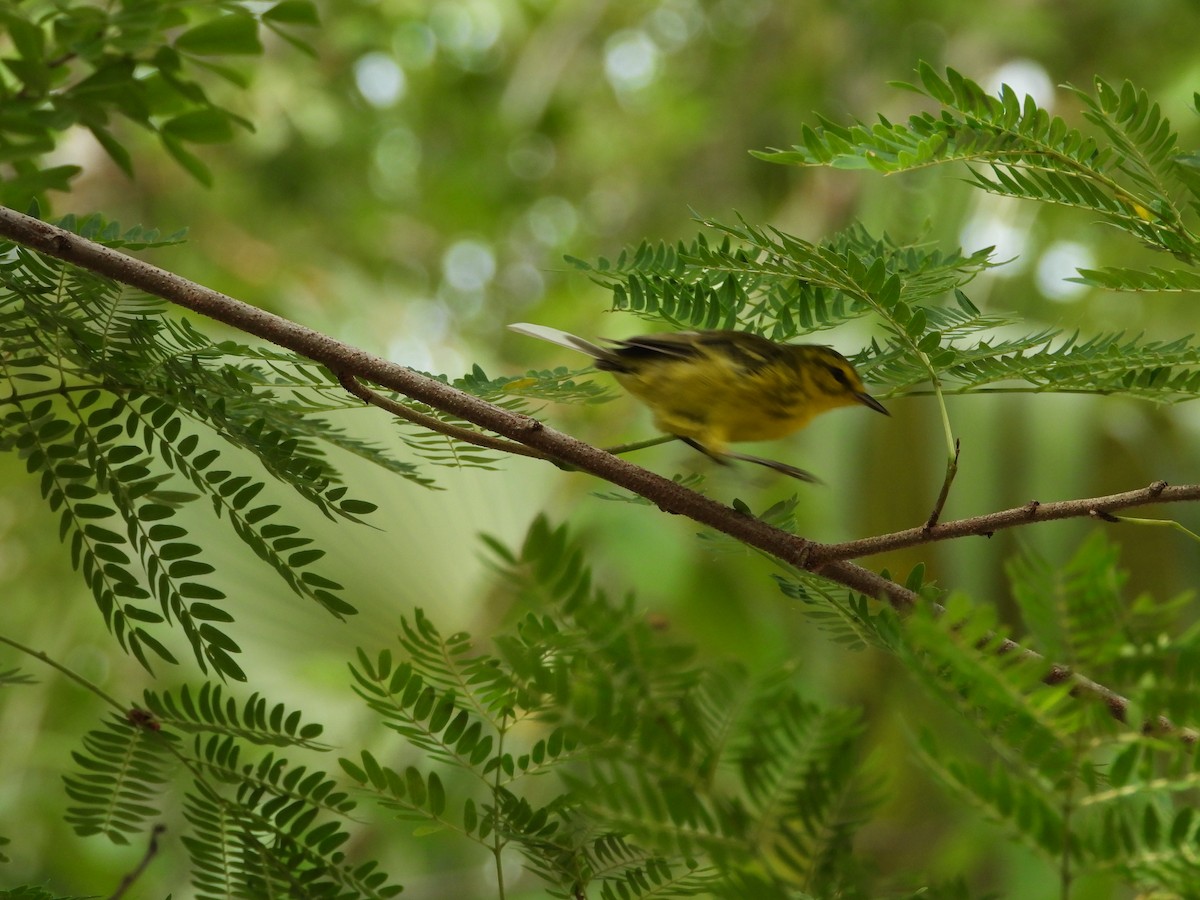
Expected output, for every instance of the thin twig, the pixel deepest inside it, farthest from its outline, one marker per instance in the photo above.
(337, 356)
(1116, 704)
(988, 524)
(466, 435)
(940, 503)
(831, 561)
(74, 676)
(1157, 523)
(151, 852)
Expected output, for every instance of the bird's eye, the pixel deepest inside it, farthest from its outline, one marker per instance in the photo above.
(839, 376)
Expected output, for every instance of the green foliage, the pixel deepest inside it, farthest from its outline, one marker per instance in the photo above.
(772, 283)
(279, 834)
(15, 676)
(769, 282)
(31, 892)
(1133, 176)
(259, 826)
(1061, 775)
(128, 417)
(209, 711)
(675, 777)
(525, 394)
(121, 771)
(81, 64)
(849, 619)
(611, 758)
(602, 751)
(777, 284)
(693, 481)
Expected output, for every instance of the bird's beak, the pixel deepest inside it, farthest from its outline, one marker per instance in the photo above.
(867, 400)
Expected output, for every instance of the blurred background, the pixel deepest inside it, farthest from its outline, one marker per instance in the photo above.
(414, 188)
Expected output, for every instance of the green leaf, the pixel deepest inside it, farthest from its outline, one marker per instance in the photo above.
(208, 612)
(26, 36)
(293, 12)
(201, 126)
(115, 149)
(227, 35)
(190, 162)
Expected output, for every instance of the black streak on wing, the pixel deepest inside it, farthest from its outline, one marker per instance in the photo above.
(649, 347)
(748, 352)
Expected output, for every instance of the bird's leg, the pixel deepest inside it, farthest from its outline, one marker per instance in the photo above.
(723, 459)
(720, 459)
(791, 471)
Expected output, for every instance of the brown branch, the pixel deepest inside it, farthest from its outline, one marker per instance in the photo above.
(350, 361)
(466, 435)
(831, 561)
(1116, 704)
(151, 852)
(940, 503)
(987, 525)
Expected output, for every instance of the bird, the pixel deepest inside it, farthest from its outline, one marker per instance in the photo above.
(711, 389)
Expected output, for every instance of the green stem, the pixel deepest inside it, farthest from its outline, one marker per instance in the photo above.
(497, 842)
(77, 678)
(59, 391)
(1162, 523)
(952, 445)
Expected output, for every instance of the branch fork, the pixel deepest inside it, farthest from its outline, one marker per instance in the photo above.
(515, 433)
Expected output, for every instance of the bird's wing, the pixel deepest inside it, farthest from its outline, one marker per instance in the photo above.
(677, 345)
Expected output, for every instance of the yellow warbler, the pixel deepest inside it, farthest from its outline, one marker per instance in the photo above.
(714, 388)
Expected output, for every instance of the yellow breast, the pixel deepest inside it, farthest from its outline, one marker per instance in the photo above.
(717, 403)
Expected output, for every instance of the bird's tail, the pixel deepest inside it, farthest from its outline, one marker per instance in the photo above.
(562, 338)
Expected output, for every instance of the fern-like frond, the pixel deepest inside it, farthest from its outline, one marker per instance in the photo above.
(803, 788)
(120, 775)
(1026, 809)
(1148, 146)
(519, 394)
(516, 393)
(929, 341)
(426, 716)
(1116, 278)
(210, 711)
(270, 838)
(444, 450)
(1150, 846)
(1163, 666)
(1003, 694)
(1059, 775)
(850, 619)
(660, 811)
(35, 892)
(601, 668)
(260, 826)
(575, 858)
(96, 227)
(15, 676)
(1161, 371)
(1017, 149)
(408, 793)
(771, 283)
(692, 481)
(1073, 611)
(125, 413)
